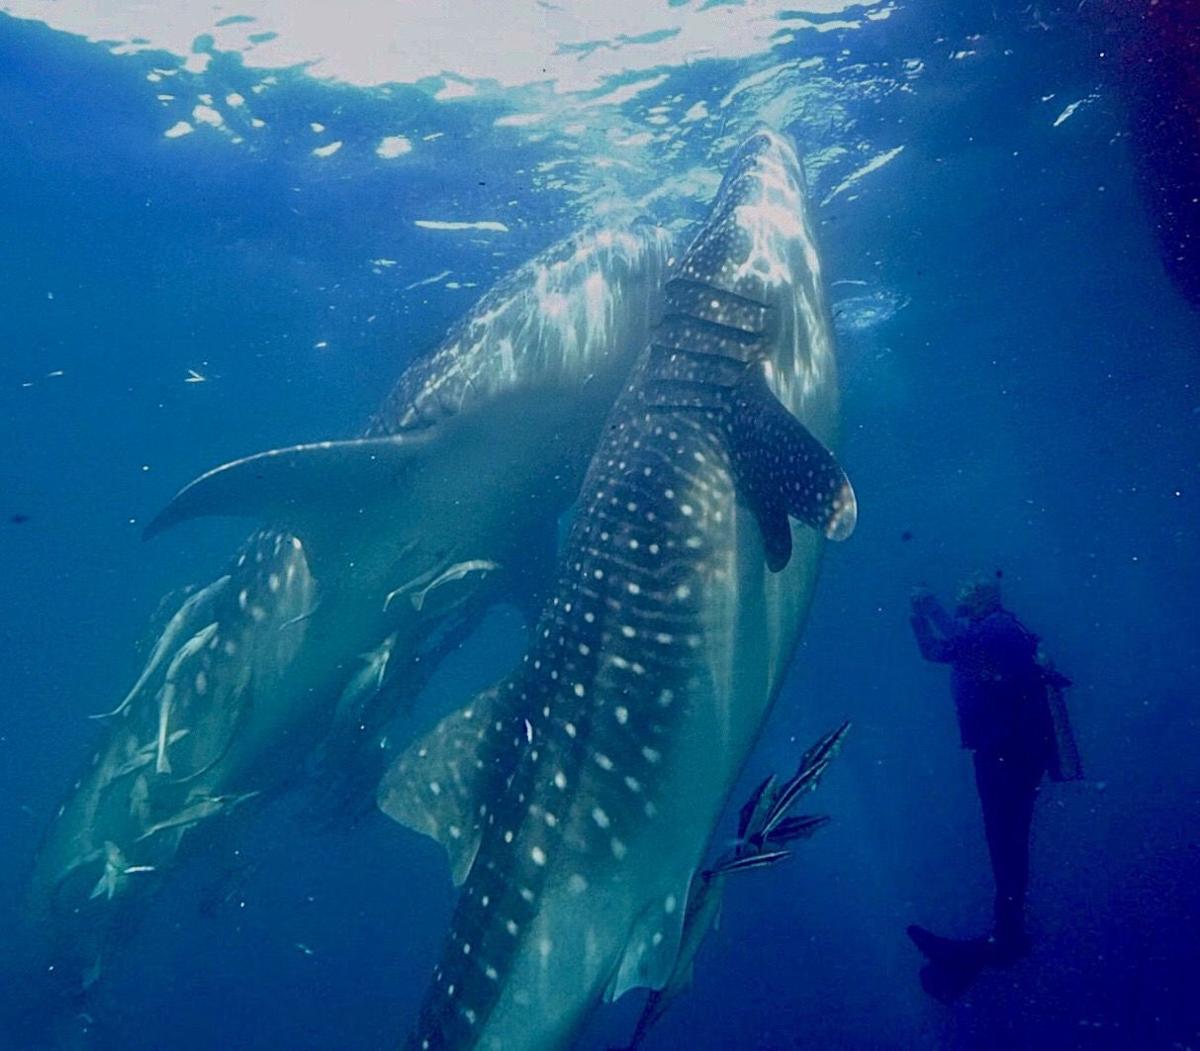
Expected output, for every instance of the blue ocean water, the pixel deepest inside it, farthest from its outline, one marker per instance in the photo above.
(1019, 376)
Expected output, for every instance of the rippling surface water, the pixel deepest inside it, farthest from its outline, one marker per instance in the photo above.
(229, 228)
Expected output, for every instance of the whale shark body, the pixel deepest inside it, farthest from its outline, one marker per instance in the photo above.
(577, 797)
(381, 554)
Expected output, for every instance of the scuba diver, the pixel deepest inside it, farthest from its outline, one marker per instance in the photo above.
(1011, 716)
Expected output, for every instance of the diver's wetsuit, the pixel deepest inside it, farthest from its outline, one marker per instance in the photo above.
(1000, 694)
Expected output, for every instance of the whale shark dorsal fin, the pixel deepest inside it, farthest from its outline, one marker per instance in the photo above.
(305, 487)
(441, 785)
(782, 470)
(652, 948)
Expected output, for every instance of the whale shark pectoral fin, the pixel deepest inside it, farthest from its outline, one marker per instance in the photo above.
(652, 949)
(782, 470)
(309, 488)
(437, 785)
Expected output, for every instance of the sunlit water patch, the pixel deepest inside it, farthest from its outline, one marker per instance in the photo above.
(632, 106)
(858, 306)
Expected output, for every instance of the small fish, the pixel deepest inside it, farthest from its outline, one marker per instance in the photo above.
(166, 698)
(195, 377)
(746, 816)
(707, 889)
(166, 695)
(139, 800)
(172, 632)
(144, 755)
(417, 594)
(299, 618)
(364, 685)
(757, 860)
(812, 766)
(116, 872)
(194, 813)
(794, 828)
(193, 645)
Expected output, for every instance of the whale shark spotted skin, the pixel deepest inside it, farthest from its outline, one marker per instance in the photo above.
(577, 797)
(455, 475)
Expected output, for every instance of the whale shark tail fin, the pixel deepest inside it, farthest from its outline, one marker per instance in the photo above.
(783, 471)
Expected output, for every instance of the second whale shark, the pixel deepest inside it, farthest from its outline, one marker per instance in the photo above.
(379, 555)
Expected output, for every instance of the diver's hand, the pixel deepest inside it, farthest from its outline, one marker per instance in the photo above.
(921, 599)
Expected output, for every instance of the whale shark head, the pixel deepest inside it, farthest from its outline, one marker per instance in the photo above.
(759, 243)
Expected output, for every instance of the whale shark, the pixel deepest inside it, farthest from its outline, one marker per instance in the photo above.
(378, 554)
(577, 797)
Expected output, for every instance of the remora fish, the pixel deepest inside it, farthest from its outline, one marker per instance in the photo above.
(577, 797)
(454, 471)
(763, 829)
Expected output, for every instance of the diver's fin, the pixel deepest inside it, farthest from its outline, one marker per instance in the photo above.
(954, 963)
(781, 468)
(297, 486)
(652, 947)
(951, 952)
(947, 984)
(436, 786)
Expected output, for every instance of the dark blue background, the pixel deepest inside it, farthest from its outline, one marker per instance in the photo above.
(1033, 408)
